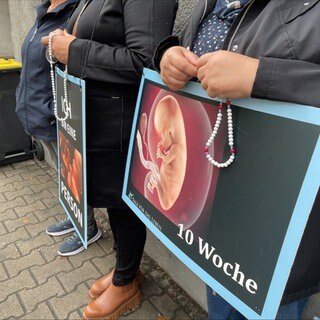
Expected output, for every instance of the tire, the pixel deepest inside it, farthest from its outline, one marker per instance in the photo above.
(38, 150)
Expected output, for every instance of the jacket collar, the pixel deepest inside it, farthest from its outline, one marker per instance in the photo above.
(42, 8)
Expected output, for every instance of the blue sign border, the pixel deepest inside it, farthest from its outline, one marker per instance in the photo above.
(81, 83)
(304, 203)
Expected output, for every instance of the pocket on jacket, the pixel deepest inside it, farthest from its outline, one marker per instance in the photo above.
(104, 122)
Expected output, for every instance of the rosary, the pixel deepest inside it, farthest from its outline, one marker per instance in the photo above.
(52, 60)
(230, 137)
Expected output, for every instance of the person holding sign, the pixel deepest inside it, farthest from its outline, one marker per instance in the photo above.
(254, 48)
(34, 106)
(108, 43)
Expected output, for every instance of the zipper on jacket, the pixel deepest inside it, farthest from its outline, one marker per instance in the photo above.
(239, 24)
(34, 34)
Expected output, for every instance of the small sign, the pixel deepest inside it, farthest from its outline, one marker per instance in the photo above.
(72, 150)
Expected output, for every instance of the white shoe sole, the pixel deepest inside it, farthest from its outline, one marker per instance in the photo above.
(61, 233)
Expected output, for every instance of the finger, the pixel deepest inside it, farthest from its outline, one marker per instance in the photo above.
(204, 85)
(180, 63)
(191, 57)
(174, 84)
(203, 60)
(201, 73)
(45, 40)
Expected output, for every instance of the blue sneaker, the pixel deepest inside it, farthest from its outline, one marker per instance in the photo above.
(74, 245)
(62, 227)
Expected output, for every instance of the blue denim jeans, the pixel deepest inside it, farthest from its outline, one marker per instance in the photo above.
(219, 309)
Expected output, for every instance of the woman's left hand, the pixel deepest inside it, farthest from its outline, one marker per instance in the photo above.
(60, 44)
(225, 74)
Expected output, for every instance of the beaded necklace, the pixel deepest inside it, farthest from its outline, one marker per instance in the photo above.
(66, 106)
(210, 141)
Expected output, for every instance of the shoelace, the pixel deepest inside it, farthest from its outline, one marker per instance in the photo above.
(73, 238)
(63, 221)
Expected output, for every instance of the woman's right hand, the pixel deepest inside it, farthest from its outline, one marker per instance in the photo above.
(61, 40)
(178, 65)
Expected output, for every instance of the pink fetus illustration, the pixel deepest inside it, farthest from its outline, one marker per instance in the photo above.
(166, 177)
(169, 168)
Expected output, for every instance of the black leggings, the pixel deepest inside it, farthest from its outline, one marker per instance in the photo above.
(130, 236)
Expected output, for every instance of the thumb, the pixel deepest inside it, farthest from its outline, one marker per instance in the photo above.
(191, 57)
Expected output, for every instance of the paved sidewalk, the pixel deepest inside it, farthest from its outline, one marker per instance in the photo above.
(36, 283)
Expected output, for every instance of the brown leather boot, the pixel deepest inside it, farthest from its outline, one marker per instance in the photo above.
(113, 302)
(104, 282)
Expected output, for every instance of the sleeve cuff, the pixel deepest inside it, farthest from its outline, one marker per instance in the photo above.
(165, 44)
(78, 54)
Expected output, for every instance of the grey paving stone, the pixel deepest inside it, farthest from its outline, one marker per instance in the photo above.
(7, 187)
(13, 285)
(145, 312)
(57, 212)
(14, 224)
(106, 244)
(43, 186)
(181, 315)
(51, 202)
(19, 234)
(54, 191)
(2, 199)
(36, 228)
(11, 195)
(39, 241)
(104, 263)
(3, 274)
(41, 312)
(9, 252)
(48, 290)
(11, 175)
(164, 304)
(41, 195)
(68, 304)
(45, 178)
(25, 183)
(70, 280)
(8, 214)
(11, 307)
(50, 252)
(11, 204)
(150, 289)
(22, 209)
(54, 268)
(27, 174)
(2, 229)
(15, 266)
(93, 251)
(24, 164)
(75, 315)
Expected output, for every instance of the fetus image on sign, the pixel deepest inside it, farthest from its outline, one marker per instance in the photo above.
(166, 174)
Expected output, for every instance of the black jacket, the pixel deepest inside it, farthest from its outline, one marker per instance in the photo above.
(283, 34)
(115, 41)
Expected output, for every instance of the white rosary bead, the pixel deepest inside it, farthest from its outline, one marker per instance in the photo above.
(230, 137)
(53, 84)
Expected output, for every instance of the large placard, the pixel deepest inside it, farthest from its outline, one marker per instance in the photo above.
(238, 228)
(72, 150)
